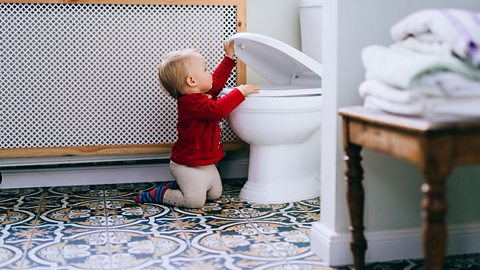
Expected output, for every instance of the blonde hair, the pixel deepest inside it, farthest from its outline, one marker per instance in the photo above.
(173, 71)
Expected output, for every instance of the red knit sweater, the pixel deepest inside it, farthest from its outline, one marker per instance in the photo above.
(199, 140)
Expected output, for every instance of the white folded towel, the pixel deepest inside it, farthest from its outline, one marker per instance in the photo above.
(400, 67)
(454, 29)
(431, 108)
(447, 84)
(388, 92)
(411, 109)
(440, 85)
(417, 45)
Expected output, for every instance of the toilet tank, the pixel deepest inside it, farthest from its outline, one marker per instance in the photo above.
(310, 27)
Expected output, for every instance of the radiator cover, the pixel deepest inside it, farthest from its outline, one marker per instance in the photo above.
(76, 75)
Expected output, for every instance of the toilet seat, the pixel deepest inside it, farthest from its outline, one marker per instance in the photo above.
(291, 72)
(268, 91)
(287, 91)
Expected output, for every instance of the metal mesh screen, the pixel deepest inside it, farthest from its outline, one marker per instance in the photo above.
(85, 75)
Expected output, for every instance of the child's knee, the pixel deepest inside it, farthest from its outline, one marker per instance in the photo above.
(195, 204)
(195, 201)
(214, 194)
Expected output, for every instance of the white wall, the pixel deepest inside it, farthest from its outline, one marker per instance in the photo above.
(355, 25)
(392, 186)
(393, 198)
(275, 18)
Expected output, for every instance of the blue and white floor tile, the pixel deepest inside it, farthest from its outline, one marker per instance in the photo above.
(101, 227)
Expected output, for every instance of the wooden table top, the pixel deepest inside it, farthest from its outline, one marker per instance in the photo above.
(414, 124)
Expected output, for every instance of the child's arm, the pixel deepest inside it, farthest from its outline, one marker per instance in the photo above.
(224, 69)
(229, 49)
(248, 89)
(203, 107)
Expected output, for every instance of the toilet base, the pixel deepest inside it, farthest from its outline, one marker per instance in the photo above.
(283, 173)
(274, 193)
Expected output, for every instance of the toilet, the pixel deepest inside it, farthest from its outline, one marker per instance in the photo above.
(311, 22)
(282, 123)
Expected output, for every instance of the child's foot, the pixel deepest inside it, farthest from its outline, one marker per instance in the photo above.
(156, 195)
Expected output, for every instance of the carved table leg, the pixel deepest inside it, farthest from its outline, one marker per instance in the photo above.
(356, 200)
(435, 168)
(434, 208)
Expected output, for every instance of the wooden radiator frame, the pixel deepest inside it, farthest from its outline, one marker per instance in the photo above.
(134, 148)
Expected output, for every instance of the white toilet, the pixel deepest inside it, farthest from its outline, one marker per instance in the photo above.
(281, 123)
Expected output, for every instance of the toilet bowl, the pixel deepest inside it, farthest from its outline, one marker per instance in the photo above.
(281, 123)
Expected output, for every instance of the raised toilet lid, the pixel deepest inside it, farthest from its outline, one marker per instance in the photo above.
(279, 63)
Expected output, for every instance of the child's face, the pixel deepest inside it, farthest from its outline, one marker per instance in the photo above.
(198, 70)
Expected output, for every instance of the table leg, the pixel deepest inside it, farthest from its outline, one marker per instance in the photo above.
(434, 208)
(356, 200)
(435, 167)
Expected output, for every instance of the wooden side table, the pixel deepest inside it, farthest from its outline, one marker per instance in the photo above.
(434, 147)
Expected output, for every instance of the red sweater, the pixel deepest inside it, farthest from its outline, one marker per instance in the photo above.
(199, 140)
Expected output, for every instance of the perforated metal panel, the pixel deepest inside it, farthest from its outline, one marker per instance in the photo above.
(85, 75)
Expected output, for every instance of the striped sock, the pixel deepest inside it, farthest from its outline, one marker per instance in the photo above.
(156, 195)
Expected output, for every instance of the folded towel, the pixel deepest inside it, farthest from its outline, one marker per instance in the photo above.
(441, 85)
(447, 84)
(400, 67)
(432, 108)
(411, 109)
(420, 46)
(389, 93)
(458, 30)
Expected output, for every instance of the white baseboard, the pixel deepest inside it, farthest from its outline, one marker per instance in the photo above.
(334, 248)
(85, 176)
(114, 174)
(237, 168)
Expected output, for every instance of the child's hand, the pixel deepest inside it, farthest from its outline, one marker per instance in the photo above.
(228, 48)
(248, 89)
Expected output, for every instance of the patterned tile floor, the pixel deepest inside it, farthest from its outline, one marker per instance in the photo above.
(101, 227)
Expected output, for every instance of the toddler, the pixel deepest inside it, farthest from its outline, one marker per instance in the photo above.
(184, 75)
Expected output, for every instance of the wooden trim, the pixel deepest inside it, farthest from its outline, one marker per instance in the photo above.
(135, 2)
(233, 146)
(99, 150)
(241, 72)
(241, 27)
(129, 149)
(84, 150)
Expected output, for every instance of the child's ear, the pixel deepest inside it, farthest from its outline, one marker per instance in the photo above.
(191, 81)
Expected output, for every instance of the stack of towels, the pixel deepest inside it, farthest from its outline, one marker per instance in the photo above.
(431, 70)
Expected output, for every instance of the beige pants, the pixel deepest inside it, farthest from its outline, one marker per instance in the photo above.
(196, 185)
